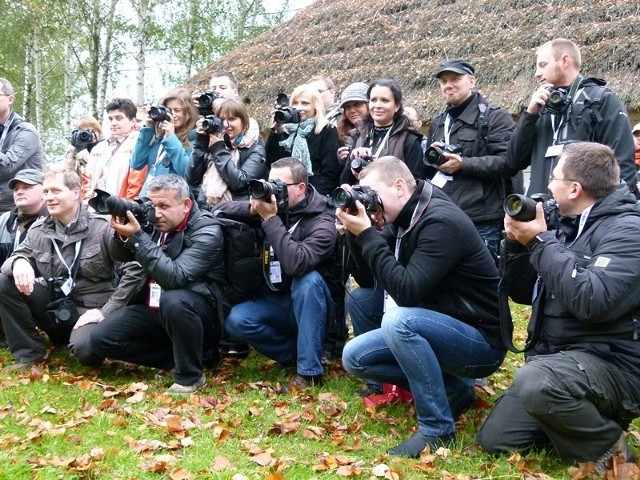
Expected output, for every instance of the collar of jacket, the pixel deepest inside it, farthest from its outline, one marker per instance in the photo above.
(77, 232)
(470, 113)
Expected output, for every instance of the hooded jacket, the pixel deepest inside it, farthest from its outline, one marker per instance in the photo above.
(443, 265)
(589, 286)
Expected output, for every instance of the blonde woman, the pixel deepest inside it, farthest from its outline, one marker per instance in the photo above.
(308, 138)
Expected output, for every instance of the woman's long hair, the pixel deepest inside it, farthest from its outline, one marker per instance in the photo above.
(316, 103)
(190, 113)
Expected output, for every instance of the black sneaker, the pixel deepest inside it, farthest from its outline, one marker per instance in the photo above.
(234, 350)
(369, 390)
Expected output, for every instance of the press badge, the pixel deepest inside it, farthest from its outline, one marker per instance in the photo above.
(389, 302)
(275, 271)
(155, 291)
(67, 286)
(554, 150)
(440, 179)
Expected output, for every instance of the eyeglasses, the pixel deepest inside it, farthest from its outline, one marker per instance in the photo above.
(552, 177)
(290, 184)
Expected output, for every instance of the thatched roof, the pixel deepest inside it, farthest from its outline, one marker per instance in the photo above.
(359, 40)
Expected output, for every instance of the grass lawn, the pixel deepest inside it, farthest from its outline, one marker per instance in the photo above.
(62, 421)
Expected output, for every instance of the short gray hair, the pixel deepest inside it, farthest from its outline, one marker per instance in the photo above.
(172, 182)
(6, 87)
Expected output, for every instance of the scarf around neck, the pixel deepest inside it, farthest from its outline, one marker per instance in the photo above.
(296, 142)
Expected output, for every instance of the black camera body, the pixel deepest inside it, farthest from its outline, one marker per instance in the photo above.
(285, 113)
(357, 164)
(142, 208)
(559, 100)
(263, 189)
(523, 208)
(159, 113)
(81, 139)
(434, 156)
(213, 125)
(343, 198)
(205, 102)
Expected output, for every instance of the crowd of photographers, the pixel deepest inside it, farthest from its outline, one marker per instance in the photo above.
(122, 254)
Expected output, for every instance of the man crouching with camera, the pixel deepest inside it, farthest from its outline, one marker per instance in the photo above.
(61, 275)
(176, 326)
(436, 296)
(580, 386)
(288, 323)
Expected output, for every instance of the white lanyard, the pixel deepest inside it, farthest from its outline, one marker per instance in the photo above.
(160, 157)
(563, 121)
(382, 143)
(447, 128)
(59, 253)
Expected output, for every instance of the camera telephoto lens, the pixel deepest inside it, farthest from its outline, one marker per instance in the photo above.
(520, 207)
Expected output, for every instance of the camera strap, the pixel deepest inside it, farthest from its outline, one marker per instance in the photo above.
(271, 265)
(72, 269)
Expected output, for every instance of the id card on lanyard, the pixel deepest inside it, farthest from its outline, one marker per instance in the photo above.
(69, 284)
(155, 290)
(440, 179)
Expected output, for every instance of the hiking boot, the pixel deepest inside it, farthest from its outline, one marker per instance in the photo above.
(301, 382)
(462, 401)
(186, 390)
(619, 450)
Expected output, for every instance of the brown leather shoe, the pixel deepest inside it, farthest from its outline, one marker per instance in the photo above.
(301, 382)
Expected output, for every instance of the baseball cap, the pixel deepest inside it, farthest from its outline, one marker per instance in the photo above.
(636, 128)
(356, 92)
(30, 176)
(457, 65)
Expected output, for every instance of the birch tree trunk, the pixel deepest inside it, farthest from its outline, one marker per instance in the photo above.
(37, 73)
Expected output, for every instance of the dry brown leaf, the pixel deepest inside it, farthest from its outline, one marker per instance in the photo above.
(220, 463)
(179, 474)
(348, 471)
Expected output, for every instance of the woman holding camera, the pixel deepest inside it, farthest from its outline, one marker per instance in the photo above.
(305, 135)
(385, 130)
(226, 156)
(166, 141)
(354, 105)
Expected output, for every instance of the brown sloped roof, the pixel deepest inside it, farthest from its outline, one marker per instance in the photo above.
(360, 40)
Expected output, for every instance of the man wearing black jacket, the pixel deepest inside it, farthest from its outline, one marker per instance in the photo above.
(288, 325)
(440, 328)
(177, 326)
(580, 386)
(477, 177)
(569, 107)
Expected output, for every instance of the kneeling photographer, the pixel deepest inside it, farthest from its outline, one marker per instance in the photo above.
(288, 323)
(580, 386)
(61, 275)
(177, 325)
(429, 323)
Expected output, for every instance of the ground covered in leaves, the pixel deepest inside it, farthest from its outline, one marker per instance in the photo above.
(62, 421)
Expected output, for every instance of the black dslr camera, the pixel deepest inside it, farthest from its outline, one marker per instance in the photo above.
(213, 125)
(357, 164)
(343, 198)
(205, 102)
(559, 100)
(142, 208)
(285, 114)
(263, 189)
(80, 139)
(523, 208)
(434, 156)
(159, 113)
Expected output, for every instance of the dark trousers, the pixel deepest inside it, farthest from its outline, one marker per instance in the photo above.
(576, 401)
(21, 314)
(182, 334)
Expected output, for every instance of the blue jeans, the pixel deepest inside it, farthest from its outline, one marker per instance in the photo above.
(432, 354)
(490, 233)
(365, 307)
(286, 328)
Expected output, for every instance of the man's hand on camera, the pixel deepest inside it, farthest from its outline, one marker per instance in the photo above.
(452, 165)
(125, 228)
(523, 232)
(354, 222)
(539, 99)
(23, 276)
(266, 210)
(90, 316)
